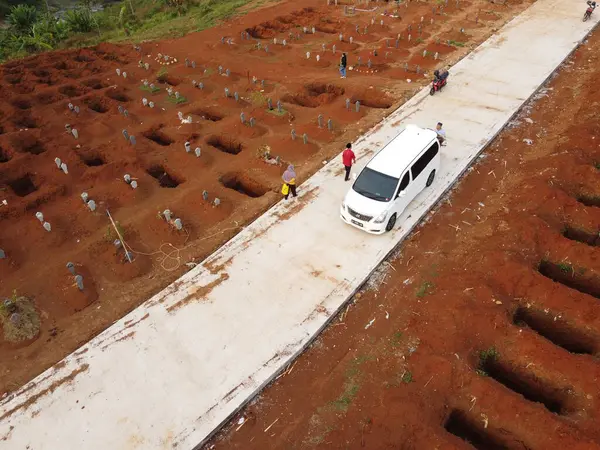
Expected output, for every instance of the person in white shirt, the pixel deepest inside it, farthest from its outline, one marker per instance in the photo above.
(441, 134)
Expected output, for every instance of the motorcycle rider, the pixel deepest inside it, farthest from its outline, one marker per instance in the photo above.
(437, 76)
(592, 5)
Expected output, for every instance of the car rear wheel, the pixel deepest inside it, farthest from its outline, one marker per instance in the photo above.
(431, 178)
(391, 223)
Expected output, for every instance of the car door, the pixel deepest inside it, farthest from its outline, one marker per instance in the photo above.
(420, 171)
(402, 197)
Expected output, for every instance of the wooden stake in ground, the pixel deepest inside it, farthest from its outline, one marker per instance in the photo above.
(127, 254)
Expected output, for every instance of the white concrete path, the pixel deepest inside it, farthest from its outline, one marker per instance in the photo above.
(173, 370)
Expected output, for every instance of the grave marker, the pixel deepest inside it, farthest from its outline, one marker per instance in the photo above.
(79, 282)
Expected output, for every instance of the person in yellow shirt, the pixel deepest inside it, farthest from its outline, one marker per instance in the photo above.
(289, 182)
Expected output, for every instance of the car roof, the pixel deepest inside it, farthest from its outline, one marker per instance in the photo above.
(395, 157)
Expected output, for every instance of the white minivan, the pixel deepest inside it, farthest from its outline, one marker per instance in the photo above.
(391, 180)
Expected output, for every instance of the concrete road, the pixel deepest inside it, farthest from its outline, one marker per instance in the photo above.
(172, 371)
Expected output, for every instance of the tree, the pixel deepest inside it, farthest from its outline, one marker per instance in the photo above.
(22, 18)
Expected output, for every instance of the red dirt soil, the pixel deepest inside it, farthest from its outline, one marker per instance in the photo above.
(483, 329)
(35, 94)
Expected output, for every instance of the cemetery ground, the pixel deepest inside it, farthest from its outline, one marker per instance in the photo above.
(483, 330)
(243, 148)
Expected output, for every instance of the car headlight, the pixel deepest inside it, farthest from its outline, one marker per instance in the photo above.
(380, 218)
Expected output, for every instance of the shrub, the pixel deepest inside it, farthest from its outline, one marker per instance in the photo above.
(80, 20)
(22, 18)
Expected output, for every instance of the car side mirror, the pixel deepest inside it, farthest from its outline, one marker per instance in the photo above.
(401, 194)
(354, 176)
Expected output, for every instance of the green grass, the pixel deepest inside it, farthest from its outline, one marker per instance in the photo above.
(149, 89)
(177, 101)
(456, 43)
(597, 165)
(170, 23)
(257, 98)
(351, 384)
(111, 234)
(275, 112)
(424, 289)
(485, 356)
(407, 377)
(565, 267)
(151, 20)
(28, 323)
(345, 399)
(396, 338)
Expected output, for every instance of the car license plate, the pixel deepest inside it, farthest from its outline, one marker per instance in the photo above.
(356, 223)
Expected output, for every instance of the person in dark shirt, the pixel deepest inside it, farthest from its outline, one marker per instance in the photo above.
(343, 64)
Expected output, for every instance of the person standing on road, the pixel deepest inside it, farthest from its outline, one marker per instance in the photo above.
(348, 158)
(289, 182)
(343, 64)
(441, 134)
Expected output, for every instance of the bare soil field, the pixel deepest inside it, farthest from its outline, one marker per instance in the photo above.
(100, 93)
(483, 331)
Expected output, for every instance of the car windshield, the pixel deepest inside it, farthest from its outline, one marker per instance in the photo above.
(375, 185)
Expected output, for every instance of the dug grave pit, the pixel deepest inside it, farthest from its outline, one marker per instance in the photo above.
(23, 185)
(47, 98)
(314, 95)
(243, 184)
(97, 104)
(168, 79)
(27, 143)
(5, 155)
(118, 95)
(21, 103)
(471, 431)
(94, 83)
(581, 235)
(206, 114)
(510, 379)
(93, 160)
(571, 277)
(22, 119)
(225, 144)
(556, 330)
(165, 180)
(155, 135)
(71, 90)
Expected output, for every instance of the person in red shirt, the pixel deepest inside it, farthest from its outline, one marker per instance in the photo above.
(348, 158)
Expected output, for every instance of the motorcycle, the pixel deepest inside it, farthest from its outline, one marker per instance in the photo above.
(589, 10)
(439, 81)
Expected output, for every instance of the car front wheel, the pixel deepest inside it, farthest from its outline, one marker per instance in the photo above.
(391, 223)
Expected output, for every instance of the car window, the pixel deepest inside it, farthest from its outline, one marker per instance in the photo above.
(425, 159)
(375, 185)
(404, 182)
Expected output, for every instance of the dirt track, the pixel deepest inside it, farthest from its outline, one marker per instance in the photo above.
(35, 94)
(484, 332)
